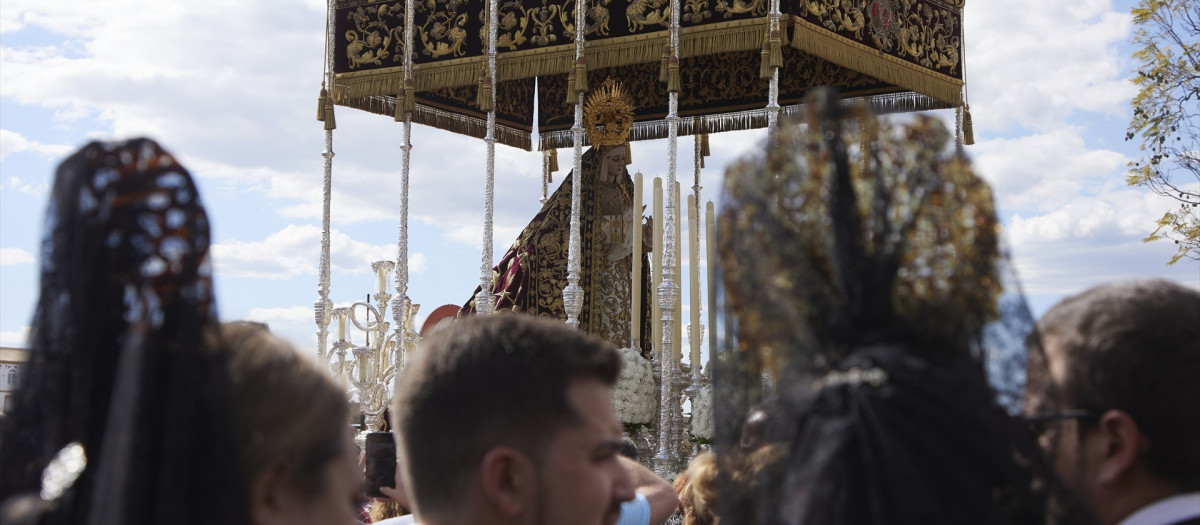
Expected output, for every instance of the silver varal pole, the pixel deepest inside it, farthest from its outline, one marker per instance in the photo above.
(573, 293)
(402, 303)
(695, 329)
(668, 291)
(323, 307)
(773, 88)
(484, 304)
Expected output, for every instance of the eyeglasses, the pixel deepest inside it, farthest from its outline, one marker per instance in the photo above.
(1039, 423)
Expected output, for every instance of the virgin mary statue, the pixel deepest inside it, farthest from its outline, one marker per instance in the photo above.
(531, 276)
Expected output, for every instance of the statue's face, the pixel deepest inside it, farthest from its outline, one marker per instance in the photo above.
(614, 163)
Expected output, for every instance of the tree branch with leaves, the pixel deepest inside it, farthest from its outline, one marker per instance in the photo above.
(1166, 117)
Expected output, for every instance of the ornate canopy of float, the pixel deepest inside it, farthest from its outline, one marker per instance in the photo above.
(516, 72)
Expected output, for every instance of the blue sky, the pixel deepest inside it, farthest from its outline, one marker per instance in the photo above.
(230, 87)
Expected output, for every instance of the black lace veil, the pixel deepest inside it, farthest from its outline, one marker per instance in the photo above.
(120, 358)
(881, 313)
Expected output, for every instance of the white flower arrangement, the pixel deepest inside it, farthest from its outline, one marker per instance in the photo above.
(635, 396)
(702, 414)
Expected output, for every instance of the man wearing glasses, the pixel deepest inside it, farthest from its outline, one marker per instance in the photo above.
(1118, 398)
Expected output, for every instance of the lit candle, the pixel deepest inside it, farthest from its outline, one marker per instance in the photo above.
(635, 315)
(694, 272)
(711, 257)
(656, 268)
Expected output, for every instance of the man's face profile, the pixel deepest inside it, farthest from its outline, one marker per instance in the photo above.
(1063, 440)
(580, 479)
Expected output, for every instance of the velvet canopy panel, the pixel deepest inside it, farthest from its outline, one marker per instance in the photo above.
(902, 55)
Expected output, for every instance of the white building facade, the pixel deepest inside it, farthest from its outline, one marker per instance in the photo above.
(12, 367)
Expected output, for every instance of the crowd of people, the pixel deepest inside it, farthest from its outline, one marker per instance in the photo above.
(877, 303)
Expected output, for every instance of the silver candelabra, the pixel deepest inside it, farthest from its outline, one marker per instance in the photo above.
(366, 354)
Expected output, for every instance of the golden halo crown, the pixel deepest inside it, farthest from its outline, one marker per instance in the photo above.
(608, 115)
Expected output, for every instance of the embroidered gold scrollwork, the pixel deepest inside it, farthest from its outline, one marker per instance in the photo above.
(643, 13)
(596, 19)
(754, 7)
(922, 30)
(371, 36)
(695, 11)
(543, 19)
(444, 31)
(511, 28)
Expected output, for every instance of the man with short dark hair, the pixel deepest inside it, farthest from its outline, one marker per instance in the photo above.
(509, 419)
(1122, 393)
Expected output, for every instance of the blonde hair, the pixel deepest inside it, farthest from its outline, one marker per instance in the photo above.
(286, 409)
(697, 490)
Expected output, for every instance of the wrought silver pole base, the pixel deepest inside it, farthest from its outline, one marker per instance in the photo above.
(664, 466)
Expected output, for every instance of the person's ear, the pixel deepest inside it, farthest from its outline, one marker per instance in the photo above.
(270, 496)
(1120, 445)
(509, 480)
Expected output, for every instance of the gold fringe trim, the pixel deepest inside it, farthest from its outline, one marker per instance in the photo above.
(823, 44)
(553, 154)
(445, 120)
(750, 119)
(426, 77)
(707, 39)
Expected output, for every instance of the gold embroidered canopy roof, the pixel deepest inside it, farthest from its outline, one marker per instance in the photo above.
(901, 54)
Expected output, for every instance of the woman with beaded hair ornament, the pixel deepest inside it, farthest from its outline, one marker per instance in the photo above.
(878, 297)
(531, 276)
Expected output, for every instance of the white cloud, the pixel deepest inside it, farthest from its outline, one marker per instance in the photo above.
(295, 251)
(416, 263)
(210, 80)
(1090, 240)
(15, 339)
(33, 189)
(15, 256)
(13, 142)
(293, 323)
(1046, 170)
(1032, 63)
